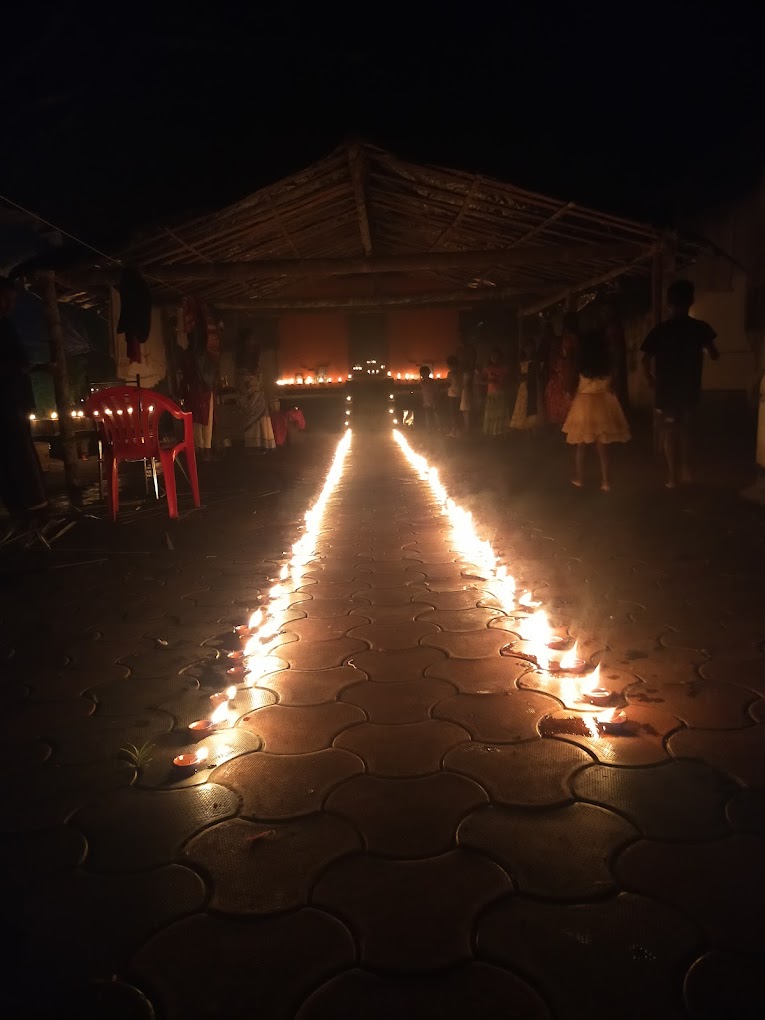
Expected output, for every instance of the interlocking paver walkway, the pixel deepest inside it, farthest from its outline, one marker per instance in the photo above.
(397, 821)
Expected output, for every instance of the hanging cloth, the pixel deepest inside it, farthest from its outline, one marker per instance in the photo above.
(135, 312)
(212, 338)
(191, 315)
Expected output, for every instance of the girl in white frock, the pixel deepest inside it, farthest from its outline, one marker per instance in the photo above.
(596, 416)
(528, 413)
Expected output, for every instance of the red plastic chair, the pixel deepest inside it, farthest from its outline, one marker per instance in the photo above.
(128, 424)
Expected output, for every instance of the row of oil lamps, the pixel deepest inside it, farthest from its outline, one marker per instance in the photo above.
(545, 649)
(260, 635)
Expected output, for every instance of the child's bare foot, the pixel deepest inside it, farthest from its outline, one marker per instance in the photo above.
(605, 487)
(577, 482)
(670, 484)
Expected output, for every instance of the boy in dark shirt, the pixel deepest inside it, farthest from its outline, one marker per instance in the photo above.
(673, 360)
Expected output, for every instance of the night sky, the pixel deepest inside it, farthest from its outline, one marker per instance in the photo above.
(119, 116)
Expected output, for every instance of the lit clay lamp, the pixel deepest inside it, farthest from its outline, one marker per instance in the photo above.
(557, 643)
(192, 758)
(598, 695)
(222, 697)
(611, 719)
(527, 603)
(201, 728)
(570, 662)
(244, 630)
(237, 672)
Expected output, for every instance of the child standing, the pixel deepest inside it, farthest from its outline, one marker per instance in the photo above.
(428, 387)
(596, 416)
(527, 414)
(454, 381)
(495, 419)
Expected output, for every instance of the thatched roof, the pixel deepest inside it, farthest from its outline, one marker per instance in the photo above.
(365, 229)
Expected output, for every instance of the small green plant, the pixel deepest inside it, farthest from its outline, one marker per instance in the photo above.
(138, 757)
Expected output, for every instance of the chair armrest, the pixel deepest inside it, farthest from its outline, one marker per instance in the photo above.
(176, 413)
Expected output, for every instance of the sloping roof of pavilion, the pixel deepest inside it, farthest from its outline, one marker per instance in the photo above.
(363, 228)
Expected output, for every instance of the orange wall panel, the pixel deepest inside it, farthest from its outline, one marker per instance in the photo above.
(307, 341)
(422, 336)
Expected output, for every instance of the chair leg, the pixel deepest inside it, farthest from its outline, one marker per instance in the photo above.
(168, 472)
(154, 476)
(191, 462)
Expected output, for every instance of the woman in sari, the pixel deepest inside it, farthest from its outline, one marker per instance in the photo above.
(258, 431)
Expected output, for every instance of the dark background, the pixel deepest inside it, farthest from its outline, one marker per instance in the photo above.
(117, 117)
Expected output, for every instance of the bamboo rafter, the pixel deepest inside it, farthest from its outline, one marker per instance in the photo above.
(362, 211)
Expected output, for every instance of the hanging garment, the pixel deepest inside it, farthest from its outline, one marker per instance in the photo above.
(135, 312)
(196, 389)
(212, 333)
(191, 315)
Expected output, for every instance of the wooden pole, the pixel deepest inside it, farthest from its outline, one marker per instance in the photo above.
(356, 163)
(60, 382)
(523, 255)
(657, 307)
(467, 295)
(578, 288)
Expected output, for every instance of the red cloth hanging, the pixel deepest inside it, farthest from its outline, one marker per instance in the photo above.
(279, 425)
(212, 338)
(296, 415)
(191, 315)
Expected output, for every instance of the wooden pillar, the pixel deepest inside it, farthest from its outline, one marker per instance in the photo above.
(657, 314)
(60, 382)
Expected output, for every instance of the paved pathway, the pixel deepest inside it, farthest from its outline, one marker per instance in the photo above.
(402, 821)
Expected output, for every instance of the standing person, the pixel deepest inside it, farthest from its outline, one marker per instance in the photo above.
(617, 353)
(673, 361)
(496, 415)
(199, 376)
(562, 371)
(454, 394)
(527, 413)
(428, 387)
(21, 481)
(468, 362)
(258, 431)
(596, 416)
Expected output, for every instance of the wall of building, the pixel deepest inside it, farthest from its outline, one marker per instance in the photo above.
(422, 336)
(409, 339)
(308, 342)
(730, 296)
(729, 288)
(726, 312)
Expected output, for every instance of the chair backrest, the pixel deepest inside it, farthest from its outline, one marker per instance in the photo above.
(128, 417)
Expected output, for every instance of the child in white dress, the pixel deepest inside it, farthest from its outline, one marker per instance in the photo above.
(528, 413)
